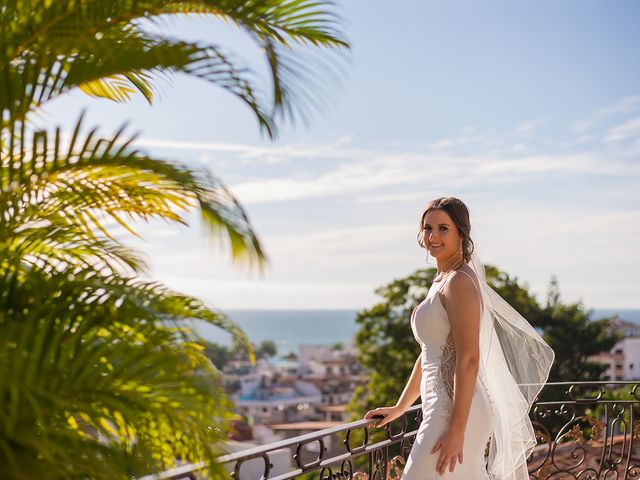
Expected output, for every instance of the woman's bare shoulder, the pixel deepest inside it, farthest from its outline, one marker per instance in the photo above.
(460, 287)
(463, 279)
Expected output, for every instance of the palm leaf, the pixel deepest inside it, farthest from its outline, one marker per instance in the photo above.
(95, 179)
(109, 67)
(114, 87)
(115, 66)
(130, 396)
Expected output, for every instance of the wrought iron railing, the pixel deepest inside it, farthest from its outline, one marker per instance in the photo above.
(585, 430)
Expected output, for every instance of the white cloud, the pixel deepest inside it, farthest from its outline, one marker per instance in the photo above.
(527, 129)
(626, 130)
(245, 294)
(412, 169)
(341, 267)
(579, 140)
(391, 197)
(624, 105)
(385, 171)
(323, 262)
(582, 126)
(266, 154)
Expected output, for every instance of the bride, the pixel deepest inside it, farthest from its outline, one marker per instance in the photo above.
(480, 367)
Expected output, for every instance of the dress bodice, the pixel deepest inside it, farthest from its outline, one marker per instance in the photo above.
(430, 324)
(431, 329)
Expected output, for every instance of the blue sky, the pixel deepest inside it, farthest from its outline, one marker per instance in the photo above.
(528, 111)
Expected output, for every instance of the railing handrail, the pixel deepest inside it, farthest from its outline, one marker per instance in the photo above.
(257, 451)
(261, 450)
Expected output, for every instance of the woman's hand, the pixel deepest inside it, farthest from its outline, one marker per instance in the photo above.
(450, 445)
(388, 414)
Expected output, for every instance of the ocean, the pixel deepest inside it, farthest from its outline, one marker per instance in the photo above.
(289, 328)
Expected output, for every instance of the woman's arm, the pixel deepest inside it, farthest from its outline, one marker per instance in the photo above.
(409, 394)
(412, 389)
(463, 311)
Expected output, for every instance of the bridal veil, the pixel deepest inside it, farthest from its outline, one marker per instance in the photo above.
(514, 366)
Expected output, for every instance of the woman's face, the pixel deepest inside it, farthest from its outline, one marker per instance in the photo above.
(440, 235)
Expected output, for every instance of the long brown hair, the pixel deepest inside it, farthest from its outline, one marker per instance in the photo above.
(459, 213)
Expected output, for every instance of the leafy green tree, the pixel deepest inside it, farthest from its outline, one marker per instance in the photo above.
(515, 292)
(575, 337)
(266, 348)
(99, 375)
(218, 354)
(386, 346)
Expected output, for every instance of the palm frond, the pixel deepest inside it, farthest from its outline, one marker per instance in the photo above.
(94, 179)
(114, 87)
(115, 66)
(133, 396)
(57, 244)
(118, 58)
(312, 22)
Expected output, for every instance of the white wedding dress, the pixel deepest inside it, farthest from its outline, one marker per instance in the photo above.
(430, 326)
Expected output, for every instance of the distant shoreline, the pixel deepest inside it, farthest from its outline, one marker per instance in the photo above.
(290, 328)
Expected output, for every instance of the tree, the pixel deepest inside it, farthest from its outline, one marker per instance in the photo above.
(575, 337)
(218, 354)
(99, 376)
(266, 348)
(386, 346)
(515, 292)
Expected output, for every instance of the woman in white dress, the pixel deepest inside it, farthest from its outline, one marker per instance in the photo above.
(463, 408)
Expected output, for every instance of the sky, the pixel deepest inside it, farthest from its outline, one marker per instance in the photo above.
(528, 111)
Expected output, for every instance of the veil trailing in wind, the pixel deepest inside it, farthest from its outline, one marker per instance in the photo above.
(514, 366)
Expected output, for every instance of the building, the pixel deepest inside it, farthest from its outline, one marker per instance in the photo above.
(624, 358)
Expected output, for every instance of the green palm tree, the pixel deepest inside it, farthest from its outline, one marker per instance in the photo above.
(100, 377)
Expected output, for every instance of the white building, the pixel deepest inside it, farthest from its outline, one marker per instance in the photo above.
(624, 358)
